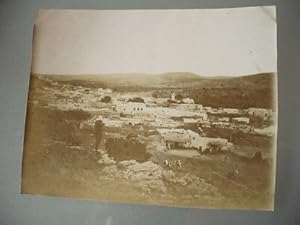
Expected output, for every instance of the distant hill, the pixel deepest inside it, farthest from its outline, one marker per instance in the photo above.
(136, 81)
(240, 92)
(166, 80)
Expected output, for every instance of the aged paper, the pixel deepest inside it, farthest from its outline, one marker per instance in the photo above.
(165, 107)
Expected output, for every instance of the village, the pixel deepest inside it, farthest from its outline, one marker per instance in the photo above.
(180, 122)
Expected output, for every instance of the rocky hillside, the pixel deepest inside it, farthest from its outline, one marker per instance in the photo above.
(236, 92)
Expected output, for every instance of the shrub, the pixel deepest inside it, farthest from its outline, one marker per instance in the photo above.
(127, 149)
(76, 114)
(179, 97)
(136, 99)
(106, 99)
(154, 95)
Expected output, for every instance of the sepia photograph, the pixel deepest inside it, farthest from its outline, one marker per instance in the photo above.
(163, 107)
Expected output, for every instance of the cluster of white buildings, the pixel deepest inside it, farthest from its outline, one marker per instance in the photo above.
(137, 108)
(163, 118)
(182, 138)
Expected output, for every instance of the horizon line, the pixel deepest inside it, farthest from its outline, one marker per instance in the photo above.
(151, 74)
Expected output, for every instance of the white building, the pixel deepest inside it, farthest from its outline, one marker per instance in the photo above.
(244, 120)
(230, 111)
(175, 138)
(189, 139)
(223, 119)
(215, 111)
(267, 131)
(203, 143)
(170, 112)
(262, 113)
(190, 107)
(163, 122)
(201, 117)
(207, 108)
(188, 101)
(131, 108)
(190, 121)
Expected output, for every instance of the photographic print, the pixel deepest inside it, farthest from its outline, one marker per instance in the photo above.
(164, 107)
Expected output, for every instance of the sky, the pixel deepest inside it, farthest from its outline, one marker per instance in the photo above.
(210, 42)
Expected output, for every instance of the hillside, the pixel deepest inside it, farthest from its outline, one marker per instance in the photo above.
(133, 81)
(238, 92)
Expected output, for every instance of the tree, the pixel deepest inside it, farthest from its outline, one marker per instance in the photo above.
(154, 95)
(106, 99)
(257, 156)
(137, 99)
(179, 97)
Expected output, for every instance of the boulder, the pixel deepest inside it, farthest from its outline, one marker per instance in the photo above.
(147, 175)
(106, 160)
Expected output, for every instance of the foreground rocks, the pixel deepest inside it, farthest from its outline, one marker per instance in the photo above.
(152, 178)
